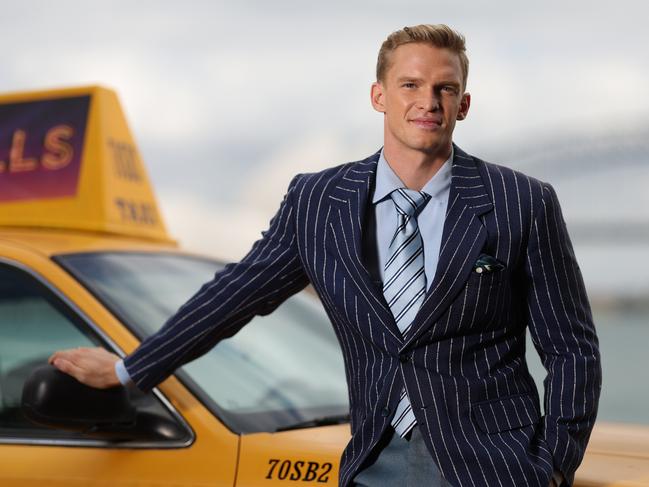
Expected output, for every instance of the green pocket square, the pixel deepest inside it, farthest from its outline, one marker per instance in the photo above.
(486, 263)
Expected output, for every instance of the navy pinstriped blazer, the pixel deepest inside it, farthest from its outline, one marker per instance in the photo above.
(463, 361)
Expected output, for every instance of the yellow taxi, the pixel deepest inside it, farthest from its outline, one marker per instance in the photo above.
(85, 260)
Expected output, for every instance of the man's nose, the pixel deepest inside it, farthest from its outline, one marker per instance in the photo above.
(429, 101)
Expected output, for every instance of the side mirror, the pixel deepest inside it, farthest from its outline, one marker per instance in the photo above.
(57, 400)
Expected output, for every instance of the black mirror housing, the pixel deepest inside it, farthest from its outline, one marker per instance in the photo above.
(57, 400)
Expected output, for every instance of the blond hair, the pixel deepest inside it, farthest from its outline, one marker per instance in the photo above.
(438, 35)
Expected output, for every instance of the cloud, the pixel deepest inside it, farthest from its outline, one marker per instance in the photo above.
(221, 231)
(230, 100)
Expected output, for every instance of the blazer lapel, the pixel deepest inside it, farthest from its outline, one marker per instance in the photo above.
(463, 238)
(349, 200)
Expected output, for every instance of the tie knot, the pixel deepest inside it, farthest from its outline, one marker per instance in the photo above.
(408, 201)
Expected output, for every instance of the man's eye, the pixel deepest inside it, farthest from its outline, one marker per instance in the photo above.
(449, 89)
(409, 85)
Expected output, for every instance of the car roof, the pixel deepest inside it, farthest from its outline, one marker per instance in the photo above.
(48, 242)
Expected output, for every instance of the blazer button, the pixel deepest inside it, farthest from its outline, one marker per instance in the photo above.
(404, 358)
(385, 411)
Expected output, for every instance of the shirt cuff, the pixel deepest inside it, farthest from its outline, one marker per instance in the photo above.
(122, 373)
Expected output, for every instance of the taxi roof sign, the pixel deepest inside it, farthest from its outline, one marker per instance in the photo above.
(68, 160)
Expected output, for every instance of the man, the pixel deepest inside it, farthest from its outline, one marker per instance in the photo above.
(431, 264)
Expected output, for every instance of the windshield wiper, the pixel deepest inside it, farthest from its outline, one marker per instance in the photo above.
(321, 421)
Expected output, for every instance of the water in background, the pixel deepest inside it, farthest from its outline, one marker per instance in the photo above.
(624, 338)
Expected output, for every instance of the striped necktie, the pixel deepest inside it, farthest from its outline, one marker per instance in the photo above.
(404, 281)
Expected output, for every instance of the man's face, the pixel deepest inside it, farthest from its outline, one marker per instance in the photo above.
(421, 96)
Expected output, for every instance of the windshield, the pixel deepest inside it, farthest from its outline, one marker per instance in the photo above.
(287, 367)
(280, 369)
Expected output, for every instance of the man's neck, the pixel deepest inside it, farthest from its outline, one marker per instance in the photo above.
(415, 168)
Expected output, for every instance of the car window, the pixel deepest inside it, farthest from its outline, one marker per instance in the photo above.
(32, 326)
(34, 323)
(280, 369)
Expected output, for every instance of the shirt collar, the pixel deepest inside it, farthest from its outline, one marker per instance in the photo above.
(387, 180)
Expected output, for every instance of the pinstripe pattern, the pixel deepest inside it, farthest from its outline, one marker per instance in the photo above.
(466, 376)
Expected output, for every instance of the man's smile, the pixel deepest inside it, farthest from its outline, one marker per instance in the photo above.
(426, 123)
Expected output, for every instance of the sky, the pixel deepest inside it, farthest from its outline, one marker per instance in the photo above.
(228, 100)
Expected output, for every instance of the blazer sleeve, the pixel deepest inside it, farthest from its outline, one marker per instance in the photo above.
(270, 273)
(562, 330)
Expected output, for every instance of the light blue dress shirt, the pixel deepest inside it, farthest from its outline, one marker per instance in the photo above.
(430, 220)
(122, 374)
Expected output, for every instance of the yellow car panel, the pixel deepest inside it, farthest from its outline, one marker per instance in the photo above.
(617, 456)
(209, 462)
(301, 457)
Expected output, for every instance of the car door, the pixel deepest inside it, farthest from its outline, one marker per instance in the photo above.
(36, 319)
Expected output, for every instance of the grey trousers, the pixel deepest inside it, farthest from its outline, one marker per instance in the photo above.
(400, 462)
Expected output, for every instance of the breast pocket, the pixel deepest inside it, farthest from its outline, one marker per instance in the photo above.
(485, 280)
(482, 301)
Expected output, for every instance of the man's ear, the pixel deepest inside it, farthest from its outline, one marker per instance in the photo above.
(465, 103)
(376, 95)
